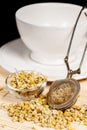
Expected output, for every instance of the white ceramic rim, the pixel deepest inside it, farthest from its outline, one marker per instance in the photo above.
(45, 4)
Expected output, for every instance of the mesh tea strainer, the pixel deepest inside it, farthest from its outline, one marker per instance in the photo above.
(63, 93)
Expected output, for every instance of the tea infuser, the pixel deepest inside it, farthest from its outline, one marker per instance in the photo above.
(64, 93)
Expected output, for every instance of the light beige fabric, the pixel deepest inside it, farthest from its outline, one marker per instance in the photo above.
(3, 74)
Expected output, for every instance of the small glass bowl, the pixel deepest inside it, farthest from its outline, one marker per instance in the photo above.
(23, 93)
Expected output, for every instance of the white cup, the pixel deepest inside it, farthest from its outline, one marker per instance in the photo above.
(46, 29)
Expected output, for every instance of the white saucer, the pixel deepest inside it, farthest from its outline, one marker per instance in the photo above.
(16, 55)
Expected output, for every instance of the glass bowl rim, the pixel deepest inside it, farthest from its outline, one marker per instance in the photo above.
(39, 86)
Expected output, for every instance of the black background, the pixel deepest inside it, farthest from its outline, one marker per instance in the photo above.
(8, 29)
